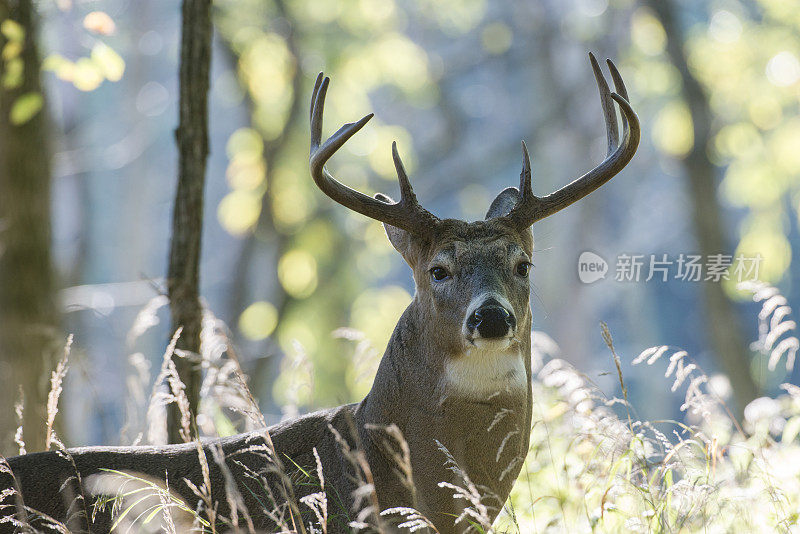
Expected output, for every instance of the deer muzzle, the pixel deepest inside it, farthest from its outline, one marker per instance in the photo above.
(491, 320)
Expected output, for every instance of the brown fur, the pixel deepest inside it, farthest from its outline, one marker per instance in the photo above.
(408, 392)
(430, 333)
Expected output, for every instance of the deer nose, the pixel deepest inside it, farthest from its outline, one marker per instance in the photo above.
(491, 320)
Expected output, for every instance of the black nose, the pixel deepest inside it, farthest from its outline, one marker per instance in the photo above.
(491, 320)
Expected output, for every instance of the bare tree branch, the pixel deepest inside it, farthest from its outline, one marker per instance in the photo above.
(187, 220)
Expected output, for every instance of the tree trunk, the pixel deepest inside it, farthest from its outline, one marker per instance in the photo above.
(187, 219)
(724, 325)
(29, 337)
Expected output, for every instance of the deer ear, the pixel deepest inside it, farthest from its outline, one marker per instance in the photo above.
(399, 238)
(503, 203)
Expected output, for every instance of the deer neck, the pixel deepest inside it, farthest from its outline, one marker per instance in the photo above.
(476, 404)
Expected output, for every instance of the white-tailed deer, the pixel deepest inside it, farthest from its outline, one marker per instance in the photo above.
(455, 379)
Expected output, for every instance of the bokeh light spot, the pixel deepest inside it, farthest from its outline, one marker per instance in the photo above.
(673, 131)
(238, 211)
(297, 272)
(496, 38)
(647, 33)
(86, 76)
(783, 69)
(258, 321)
(99, 22)
(725, 27)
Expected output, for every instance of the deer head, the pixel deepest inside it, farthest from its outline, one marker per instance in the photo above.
(471, 278)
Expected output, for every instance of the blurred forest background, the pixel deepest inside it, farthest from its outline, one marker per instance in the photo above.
(309, 291)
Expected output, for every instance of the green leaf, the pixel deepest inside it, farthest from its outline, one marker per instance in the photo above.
(11, 50)
(25, 107)
(12, 30)
(108, 61)
(128, 509)
(152, 514)
(13, 75)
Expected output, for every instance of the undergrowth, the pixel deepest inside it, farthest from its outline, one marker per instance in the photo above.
(592, 465)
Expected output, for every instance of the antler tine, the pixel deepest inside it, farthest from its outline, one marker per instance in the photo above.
(406, 191)
(531, 208)
(609, 114)
(320, 89)
(525, 187)
(317, 83)
(406, 214)
(619, 85)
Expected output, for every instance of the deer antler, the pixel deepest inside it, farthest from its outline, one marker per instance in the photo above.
(532, 208)
(406, 214)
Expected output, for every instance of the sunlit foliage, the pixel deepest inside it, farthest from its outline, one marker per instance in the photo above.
(102, 63)
(754, 90)
(754, 94)
(27, 105)
(367, 48)
(279, 48)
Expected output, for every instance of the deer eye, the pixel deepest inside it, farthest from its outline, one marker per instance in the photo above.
(523, 268)
(439, 273)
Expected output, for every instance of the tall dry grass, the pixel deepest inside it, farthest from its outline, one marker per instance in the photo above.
(592, 465)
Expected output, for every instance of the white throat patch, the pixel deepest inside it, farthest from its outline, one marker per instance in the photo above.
(484, 371)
